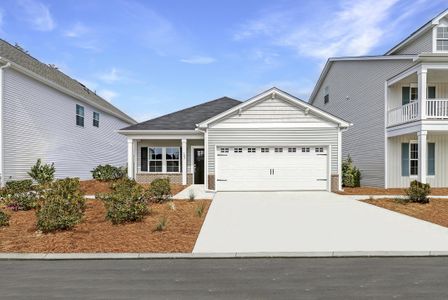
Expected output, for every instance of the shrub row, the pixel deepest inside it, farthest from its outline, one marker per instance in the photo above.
(108, 173)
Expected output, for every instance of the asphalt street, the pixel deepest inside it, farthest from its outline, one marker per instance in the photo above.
(281, 278)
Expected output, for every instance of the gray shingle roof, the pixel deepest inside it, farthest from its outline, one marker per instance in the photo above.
(19, 57)
(187, 119)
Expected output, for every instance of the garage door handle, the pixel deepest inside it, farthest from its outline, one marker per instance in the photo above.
(321, 179)
(221, 179)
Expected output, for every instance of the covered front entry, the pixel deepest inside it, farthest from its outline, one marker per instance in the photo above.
(278, 168)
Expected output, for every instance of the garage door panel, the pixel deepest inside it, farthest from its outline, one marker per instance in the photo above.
(272, 170)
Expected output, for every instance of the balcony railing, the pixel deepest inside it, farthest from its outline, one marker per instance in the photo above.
(403, 114)
(435, 109)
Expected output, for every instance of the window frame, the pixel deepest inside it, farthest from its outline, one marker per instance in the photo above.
(264, 149)
(251, 150)
(292, 150)
(97, 125)
(150, 159)
(224, 150)
(326, 94)
(278, 150)
(172, 160)
(306, 150)
(237, 150)
(80, 116)
(164, 160)
(415, 144)
(443, 39)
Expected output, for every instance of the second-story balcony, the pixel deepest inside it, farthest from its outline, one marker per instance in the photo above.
(419, 93)
(435, 109)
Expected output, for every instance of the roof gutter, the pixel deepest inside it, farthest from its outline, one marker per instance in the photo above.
(45, 81)
(2, 165)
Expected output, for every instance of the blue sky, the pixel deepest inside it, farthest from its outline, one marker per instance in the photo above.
(153, 57)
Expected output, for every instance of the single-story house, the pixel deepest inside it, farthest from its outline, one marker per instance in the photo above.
(273, 141)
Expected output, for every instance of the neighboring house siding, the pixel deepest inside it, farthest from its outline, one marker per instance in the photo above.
(39, 122)
(272, 137)
(363, 83)
(421, 44)
(395, 160)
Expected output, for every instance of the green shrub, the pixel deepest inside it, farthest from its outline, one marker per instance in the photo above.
(160, 190)
(61, 207)
(43, 174)
(4, 218)
(19, 186)
(19, 195)
(108, 173)
(351, 175)
(418, 192)
(126, 202)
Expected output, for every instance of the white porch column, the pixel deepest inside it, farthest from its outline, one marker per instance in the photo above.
(184, 161)
(130, 158)
(422, 88)
(422, 155)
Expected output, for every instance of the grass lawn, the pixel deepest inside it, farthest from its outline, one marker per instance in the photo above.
(96, 234)
(380, 191)
(436, 211)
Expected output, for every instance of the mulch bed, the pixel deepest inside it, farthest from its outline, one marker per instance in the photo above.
(380, 191)
(95, 234)
(91, 187)
(436, 211)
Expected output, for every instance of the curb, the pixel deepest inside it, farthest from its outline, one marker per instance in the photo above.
(121, 256)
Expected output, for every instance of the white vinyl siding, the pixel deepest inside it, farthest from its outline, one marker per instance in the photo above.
(395, 91)
(420, 45)
(363, 83)
(440, 179)
(39, 122)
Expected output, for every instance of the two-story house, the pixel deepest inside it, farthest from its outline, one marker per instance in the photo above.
(46, 114)
(398, 104)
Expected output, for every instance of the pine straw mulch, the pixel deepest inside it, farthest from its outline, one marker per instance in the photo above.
(95, 234)
(436, 211)
(91, 187)
(380, 191)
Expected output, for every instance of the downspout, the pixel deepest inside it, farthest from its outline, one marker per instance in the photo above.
(2, 165)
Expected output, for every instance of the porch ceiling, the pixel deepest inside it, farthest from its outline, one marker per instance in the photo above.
(433, 76)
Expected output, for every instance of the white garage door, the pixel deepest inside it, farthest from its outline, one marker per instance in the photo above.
(271, 168)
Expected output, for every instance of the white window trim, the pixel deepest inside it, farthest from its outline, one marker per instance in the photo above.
(164, 160)
(417, 159)
(93, 121)
(82, 116)
(434, 39)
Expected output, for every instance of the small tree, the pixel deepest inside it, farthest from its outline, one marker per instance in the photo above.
(418, 192)
(160, 190)
(43, 174)
(351, 175)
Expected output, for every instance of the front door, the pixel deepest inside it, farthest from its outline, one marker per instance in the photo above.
(198, 166)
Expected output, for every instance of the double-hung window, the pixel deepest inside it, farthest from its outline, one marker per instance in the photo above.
(96, 119)
(413, 159)
(172, 159)
(155, 159)
(326, 95)
(79, 115)
(442, 39)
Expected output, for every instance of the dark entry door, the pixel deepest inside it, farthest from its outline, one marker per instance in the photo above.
(199, 166)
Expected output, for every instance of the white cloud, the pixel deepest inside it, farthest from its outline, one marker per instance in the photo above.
(355, 27)
(111, 76)
(76, 31)
(145, 116)
(109, 95)
(37, 14)
(198, 60)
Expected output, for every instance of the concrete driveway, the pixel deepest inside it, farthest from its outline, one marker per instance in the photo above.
(310, 221)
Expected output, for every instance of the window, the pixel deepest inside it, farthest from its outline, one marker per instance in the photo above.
(326, 95)
(172, 159)
(96, 119)
(442, 39)
(224, 150)
(413, 96)
(292, 150)
(237, 150)
(79, 115)
(251, 150)
(319, 150)
(264, 150)
(306, 149)
(413, 159)
(278, 150)
(155, 159)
